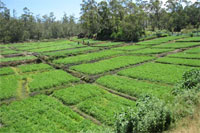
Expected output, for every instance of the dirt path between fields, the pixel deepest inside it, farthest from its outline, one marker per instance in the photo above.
(22, 89)
(86, 116)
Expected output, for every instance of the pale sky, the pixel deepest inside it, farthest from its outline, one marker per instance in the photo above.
(42, 7)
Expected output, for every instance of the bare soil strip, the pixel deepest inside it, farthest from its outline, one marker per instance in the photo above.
(148, 81)
(117, 93)
(177, 64)
(86, 116)
(15, 63)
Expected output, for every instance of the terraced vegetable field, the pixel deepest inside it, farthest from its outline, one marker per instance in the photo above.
(75, 86)
(110, 64)
(160, 40)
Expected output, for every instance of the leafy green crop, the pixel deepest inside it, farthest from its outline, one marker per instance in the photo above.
(166, 73)
(34, 67)
(193, 50)
(185, 55)
(68, 52)
(110, 64)
(9, 51)
(8, 86)
(6, 71)
(42, 114)
(20, 58)
(108, 44)
(129, 47)
(78, 93)
(87, 57)
(136, 88)
(192, 62)
(177, 45)
(50, 79)
(94, 101)
(160, 40)
(150, 51)
(190, 39)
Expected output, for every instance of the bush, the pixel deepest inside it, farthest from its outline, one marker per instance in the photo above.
(191, 79)
(187, 94)
(151, 116)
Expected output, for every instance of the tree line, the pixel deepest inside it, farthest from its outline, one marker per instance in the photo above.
(108, 19)
(128, 20)
(29, 27)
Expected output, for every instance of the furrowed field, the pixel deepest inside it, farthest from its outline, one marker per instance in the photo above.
(85, 86)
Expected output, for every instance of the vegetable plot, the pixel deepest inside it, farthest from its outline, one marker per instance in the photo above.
(110, 64)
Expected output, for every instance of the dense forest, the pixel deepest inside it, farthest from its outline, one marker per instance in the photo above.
(109, 19)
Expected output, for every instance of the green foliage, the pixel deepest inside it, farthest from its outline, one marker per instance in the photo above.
(104, 107)
(110, 64)
(190, 62)
(160, 40)
(185, 55)
(8, 86)
(150, 51)
(78, 93)
(166, 73)
(87, 57)
(129, 47)
(136, 88)
(20, 58)
(193, 50)
(151, 116)
(50, 79)
(191, 79)
(6, 71)
(94, 101)
(42, 114)
(57, 47)
(109, 44)
(9, 51)
(64, 53)
(34, 67)
(178, 45)
(190, 39)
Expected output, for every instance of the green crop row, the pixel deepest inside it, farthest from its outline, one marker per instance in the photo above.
(6, 71)
(193, 50)
(20, 58)
(177, 45)
(59, 47)
(69, 52)
(9, 51)
(179, 61)
(150, 51)
(86, 40)
(190, 39)
(129, 47)
(136, 88)
(185, 55)
(165, 73)
(87, 57)
(94, 101)
(37, 45)
(110, 64)
(8, 86)
(160, 40)
(42, 114)
(33, 67)
(108, 44)
(50, 79)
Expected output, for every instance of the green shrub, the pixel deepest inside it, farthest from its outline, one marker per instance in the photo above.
(151, 116)
(191, 79)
